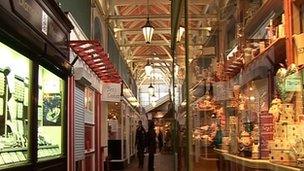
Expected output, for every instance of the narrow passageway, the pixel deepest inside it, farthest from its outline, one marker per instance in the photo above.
(163, 162)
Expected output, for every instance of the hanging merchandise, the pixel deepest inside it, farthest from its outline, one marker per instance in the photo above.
(283, 82)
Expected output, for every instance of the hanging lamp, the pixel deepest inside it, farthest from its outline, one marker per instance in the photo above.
(151, 89)
(148, 29)
(148, 69)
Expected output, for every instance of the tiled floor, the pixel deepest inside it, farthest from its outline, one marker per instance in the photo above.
(163, 162)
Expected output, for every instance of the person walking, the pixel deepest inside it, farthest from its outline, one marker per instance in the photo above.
(160, 140)
(151, 142)
(140, 143)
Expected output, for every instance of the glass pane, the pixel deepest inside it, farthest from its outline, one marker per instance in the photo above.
(50, 113)
(14, 97)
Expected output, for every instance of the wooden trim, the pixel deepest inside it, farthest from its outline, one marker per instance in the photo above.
(70, 113)
(289, 31)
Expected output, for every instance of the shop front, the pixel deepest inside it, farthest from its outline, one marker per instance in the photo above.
(34, 74)
(95, 78)
(247, 105)
(122, 118)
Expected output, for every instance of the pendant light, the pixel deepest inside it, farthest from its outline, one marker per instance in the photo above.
(153, 98)
(148, 69)
(148, 29)
(151, 90)
(180, 33)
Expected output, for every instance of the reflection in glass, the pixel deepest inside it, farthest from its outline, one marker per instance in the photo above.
(50, 112)
(14, 90)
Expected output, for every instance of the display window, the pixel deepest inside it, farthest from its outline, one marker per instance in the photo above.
(50, 113)
(14, 106)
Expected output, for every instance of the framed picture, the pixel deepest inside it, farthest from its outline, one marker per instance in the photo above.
(52, 109)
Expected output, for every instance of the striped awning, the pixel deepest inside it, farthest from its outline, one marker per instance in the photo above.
(93, 54)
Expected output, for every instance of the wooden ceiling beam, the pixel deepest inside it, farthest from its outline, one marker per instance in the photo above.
(153, 43)
(159, 17)
(167, 2)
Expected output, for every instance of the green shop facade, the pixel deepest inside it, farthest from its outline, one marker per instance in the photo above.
(34, 77)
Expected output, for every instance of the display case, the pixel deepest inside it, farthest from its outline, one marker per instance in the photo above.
(51, 93)
(34, 70)
(265, 79)
(14, 106)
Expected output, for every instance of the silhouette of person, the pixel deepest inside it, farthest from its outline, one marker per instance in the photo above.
(140, 143)
(151, 142)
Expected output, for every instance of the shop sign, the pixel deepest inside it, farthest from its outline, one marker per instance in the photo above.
(111, 92)
(36, 17)
(293, 83)
(30, 11)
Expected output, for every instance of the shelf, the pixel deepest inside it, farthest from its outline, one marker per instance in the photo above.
(274, 54)
(261, 15)
(48, 147)
(256, 164)
(13, 150)
(25, 149)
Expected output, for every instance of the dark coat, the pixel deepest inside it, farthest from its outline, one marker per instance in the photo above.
(151, 141)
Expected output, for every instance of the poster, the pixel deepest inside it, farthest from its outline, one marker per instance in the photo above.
(52, 109)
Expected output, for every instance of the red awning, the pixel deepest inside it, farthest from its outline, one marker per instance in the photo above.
(92, 53)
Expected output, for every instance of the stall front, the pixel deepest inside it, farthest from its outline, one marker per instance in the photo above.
(123, 117)
(262, 110)
(34, 74)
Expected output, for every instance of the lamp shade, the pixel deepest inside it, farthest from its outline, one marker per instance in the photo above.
(148, 69)
(180, 33)
(153, 103)
(148, 30)
(151, 89)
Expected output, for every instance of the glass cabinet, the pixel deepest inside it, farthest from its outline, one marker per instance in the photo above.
(14, 105)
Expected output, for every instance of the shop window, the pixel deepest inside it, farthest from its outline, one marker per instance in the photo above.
(50, 113)
(14, 97)
(89, 105)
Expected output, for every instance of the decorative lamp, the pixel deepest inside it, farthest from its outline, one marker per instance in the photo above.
(148, 69)
(148, 29)
(151, 89)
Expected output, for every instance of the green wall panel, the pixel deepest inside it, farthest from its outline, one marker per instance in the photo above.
(81, 11)
(120, 64)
